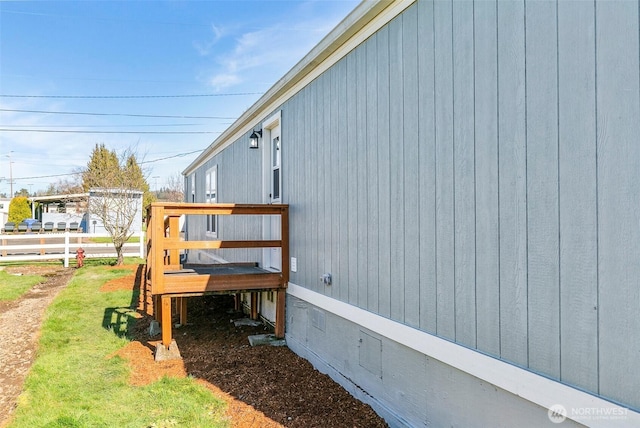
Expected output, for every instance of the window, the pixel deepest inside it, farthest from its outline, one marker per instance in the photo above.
(193, 188)
(275, 167)
(211, 197)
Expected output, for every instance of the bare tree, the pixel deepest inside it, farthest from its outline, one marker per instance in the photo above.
(116, 187)
(117, 208)
(175, 188)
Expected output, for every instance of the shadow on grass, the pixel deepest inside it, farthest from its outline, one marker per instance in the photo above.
(121, 320)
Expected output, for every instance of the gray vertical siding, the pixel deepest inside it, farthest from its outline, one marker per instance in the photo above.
(578, 207)
(542, 188)
(473, 170)
(445, 251)
(487, 217)
(426, 165)
(618, 197)
(512, 179)
(464, 174)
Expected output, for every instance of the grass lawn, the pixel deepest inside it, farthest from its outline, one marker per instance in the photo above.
(14, 286)
(75, 382)
(107, 239)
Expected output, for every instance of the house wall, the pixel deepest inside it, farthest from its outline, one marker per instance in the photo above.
(4, 210)
(470, 171)
(89, 218)
(239, 181)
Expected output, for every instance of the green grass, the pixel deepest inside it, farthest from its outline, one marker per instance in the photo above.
(74, 383)
(107, 239)
(14, 286)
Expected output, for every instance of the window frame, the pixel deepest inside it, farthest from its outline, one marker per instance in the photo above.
(211, 197)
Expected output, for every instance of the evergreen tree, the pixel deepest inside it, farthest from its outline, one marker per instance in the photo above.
(103, 168)
(134, 173)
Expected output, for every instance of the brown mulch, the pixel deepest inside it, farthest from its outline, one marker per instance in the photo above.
(262, 386)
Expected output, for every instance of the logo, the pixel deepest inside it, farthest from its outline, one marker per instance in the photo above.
(557, 413)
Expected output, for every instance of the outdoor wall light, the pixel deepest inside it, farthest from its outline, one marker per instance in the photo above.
(254, 138)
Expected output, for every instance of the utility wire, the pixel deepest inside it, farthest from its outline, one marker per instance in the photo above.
(179, 155)
(18, 127)
(61, 131)
(131, 96)
(118, 114)
(174, 156)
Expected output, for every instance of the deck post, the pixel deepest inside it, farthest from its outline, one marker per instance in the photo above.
(166, 320)
(280, 313)
(254, 306)
(157, 308)
(157, 249)
(181, 304)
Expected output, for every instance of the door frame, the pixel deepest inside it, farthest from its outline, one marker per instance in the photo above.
(273, 122)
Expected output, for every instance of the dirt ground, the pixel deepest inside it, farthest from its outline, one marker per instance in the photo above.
(20, 329)
(263, 386)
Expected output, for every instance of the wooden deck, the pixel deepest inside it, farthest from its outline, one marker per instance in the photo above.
(166, 279)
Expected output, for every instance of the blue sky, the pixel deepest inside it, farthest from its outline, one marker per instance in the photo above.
(55, 54)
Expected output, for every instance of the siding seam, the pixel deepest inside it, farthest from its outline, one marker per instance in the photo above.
(453, 162)
(595, 66)
(498, 152)
(559, 194)
(526, 175)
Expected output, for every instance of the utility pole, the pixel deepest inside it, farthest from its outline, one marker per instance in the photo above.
(10, 174)
(156, 185)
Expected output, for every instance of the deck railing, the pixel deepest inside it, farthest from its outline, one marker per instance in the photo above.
(164, 245)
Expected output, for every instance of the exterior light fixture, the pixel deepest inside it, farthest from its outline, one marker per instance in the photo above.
(254, 138)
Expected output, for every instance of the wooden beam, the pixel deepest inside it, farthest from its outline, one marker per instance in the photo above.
(176, 244)
(208, 283)
(157, 252)
(284, 236)
(157, 308)
(254, 306)
(182, 308)
(280, 313)
(166, 321)
(219, 209)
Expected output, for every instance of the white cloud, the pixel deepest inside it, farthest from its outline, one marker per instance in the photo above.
(224, 80)
(204, 48)
(263, 55)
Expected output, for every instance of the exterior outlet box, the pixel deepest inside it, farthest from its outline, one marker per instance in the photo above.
(294, 264)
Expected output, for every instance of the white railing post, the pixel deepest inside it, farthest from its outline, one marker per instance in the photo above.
(66, 249)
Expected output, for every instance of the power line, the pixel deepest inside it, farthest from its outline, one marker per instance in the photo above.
(17, 127)
(65, 131)
(131, 96)
(118, 114)
(174, 156)
(80, 172)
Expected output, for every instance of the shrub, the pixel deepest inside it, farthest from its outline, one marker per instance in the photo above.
(19, 209)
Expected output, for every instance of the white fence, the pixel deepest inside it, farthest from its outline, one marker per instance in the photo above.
(63, 245)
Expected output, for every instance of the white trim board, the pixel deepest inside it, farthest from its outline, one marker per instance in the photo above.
(520, 382)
